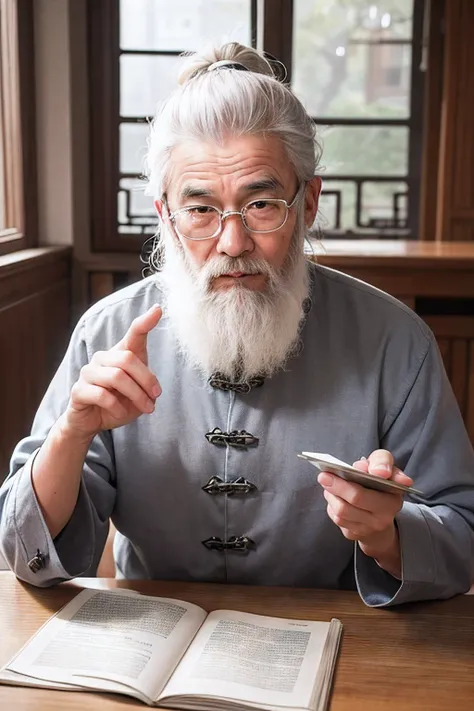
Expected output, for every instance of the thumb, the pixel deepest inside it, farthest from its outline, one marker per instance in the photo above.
(135, 339)
(397, 475)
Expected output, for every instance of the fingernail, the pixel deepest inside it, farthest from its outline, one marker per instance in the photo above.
(150, 407)
(382, 467)
(363, 459)
(156, 390)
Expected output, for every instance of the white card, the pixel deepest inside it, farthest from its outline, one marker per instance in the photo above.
(328, 463)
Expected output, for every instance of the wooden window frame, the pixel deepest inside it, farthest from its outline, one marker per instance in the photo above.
(411, 177)
(17, 101)
(104, 90)
(274, 33)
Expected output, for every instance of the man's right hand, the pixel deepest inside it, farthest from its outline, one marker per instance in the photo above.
(116, 386)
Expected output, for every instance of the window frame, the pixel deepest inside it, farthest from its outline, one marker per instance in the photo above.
(272, 30)
(17, 107)
(103, 31)
(414, 124)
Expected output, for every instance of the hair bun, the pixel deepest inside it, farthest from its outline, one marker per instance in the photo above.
(248, 58)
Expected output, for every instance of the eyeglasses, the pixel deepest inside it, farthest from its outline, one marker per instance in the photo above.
(198, 222)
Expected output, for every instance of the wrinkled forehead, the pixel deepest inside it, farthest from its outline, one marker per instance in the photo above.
(236, 165)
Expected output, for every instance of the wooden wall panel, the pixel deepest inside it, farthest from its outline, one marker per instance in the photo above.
(101, 284)
(463, 230)
(35, 301)
(455, 337)
(469, 414)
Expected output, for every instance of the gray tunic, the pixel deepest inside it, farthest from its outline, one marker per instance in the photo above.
(369, 376)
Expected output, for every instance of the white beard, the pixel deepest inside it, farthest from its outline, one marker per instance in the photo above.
(236, 332)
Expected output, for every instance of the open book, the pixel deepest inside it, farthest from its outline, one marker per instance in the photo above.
(172, 653)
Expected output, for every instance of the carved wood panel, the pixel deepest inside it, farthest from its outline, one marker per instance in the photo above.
(455, 337)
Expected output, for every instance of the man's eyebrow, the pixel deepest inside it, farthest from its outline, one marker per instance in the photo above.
(258, 186)
(192, 191)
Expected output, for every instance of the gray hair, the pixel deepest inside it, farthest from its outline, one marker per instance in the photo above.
(211, 105)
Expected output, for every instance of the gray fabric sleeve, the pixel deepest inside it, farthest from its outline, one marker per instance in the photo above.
(23, 531)
(429, 441)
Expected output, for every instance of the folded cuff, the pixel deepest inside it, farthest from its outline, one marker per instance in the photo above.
(378, 588)
(26, 536)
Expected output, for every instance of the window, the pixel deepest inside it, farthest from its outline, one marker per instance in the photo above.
(356, 68)
(354, 64)
(134, 56)
(17, 166)
(149, 60)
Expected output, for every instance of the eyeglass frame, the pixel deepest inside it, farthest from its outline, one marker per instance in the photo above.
(224, 214)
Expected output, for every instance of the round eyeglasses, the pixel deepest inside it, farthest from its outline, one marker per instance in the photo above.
(198, 222)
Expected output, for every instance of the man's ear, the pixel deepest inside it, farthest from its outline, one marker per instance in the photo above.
(159, 207)
(311, 200)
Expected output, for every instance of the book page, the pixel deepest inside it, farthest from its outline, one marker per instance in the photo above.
(110, 641)
(245, 657)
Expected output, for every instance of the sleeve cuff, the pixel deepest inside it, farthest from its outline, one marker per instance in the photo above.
(27, 535)
(378, 588)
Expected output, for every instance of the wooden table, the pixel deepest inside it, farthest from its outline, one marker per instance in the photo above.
(415, 657)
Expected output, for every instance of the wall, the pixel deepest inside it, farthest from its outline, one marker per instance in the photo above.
(53, 122)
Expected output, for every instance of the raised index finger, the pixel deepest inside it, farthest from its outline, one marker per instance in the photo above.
(136, 337)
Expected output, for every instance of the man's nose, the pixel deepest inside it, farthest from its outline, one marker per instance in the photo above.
(235, 238)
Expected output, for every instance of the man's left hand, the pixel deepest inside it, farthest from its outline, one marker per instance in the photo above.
(368, 516)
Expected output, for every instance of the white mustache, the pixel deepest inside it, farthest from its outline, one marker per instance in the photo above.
(224, 265)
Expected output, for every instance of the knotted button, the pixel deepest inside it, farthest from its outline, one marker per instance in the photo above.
(216, 485)
(307, 305)
(37, 562)
(236, 543)
(218, 381)
(237, 438)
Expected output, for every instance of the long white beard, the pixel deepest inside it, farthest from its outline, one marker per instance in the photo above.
(236, 332)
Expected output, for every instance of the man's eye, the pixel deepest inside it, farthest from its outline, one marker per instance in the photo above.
(200, 210)
(264, 207)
